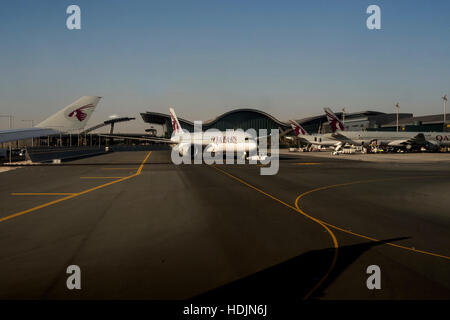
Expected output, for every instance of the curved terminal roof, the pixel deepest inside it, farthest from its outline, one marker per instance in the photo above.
(161, 118)
(259, 112)
(246, 118)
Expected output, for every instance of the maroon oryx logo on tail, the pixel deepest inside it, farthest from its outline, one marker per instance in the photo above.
(79, 114)
(297, 128)
(174, 124)
(335, 123)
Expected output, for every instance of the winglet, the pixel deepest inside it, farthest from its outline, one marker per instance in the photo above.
(73, 117)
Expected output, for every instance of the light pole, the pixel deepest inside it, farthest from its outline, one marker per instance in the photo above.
(32, 125)
(444, 98)
(10, 127)
(397, 105)
(343, 115)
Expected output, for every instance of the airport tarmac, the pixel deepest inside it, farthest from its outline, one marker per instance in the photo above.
(380, 157)
(141, 227)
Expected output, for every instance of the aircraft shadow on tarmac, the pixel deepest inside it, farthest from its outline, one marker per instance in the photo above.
(294, 278)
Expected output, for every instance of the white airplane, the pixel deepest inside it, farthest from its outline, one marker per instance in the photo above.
(323, 140)
(71, 118)
(211, 141)
(408, 140)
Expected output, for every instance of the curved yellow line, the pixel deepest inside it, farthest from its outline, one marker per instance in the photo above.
(360, 235)
(333, 237)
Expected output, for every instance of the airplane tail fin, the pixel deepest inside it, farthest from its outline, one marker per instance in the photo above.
(333, 120)
(298, 129)
(73, 117)
(176, 128)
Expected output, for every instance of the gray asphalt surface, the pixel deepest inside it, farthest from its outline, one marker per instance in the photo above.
(225, 232)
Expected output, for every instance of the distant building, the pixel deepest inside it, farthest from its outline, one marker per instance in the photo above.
(257, 119)
(355, 121)
(423, 123)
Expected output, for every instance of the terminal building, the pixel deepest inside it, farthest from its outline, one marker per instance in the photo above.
(356, 121)
(236, 119)
(160, 123)
(432, 123)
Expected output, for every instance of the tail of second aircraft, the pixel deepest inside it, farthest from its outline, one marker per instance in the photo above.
(73, 117)
(333, 120)
(176, 128)
(298, 129)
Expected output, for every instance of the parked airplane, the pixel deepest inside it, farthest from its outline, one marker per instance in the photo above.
(407, 140)
(323, 140)
(214, 141)
(71, 118)
(211, 141)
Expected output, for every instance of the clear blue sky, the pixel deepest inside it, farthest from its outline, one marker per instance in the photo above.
(289, 58)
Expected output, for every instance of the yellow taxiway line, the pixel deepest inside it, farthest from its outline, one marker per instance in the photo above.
(119, 168)
(326, 225)
(333, 237)
(361, 235)
(101, 177)
(307, 163)
(41, 194)
(70, 196)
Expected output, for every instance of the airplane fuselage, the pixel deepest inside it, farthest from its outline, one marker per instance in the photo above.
(366, 138)
(216, 141)
(324, 140)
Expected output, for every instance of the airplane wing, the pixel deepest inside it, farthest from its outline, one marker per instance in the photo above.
(418, 139)
(342, 138)
(22, 134)
(153, 139)
(72, 117)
